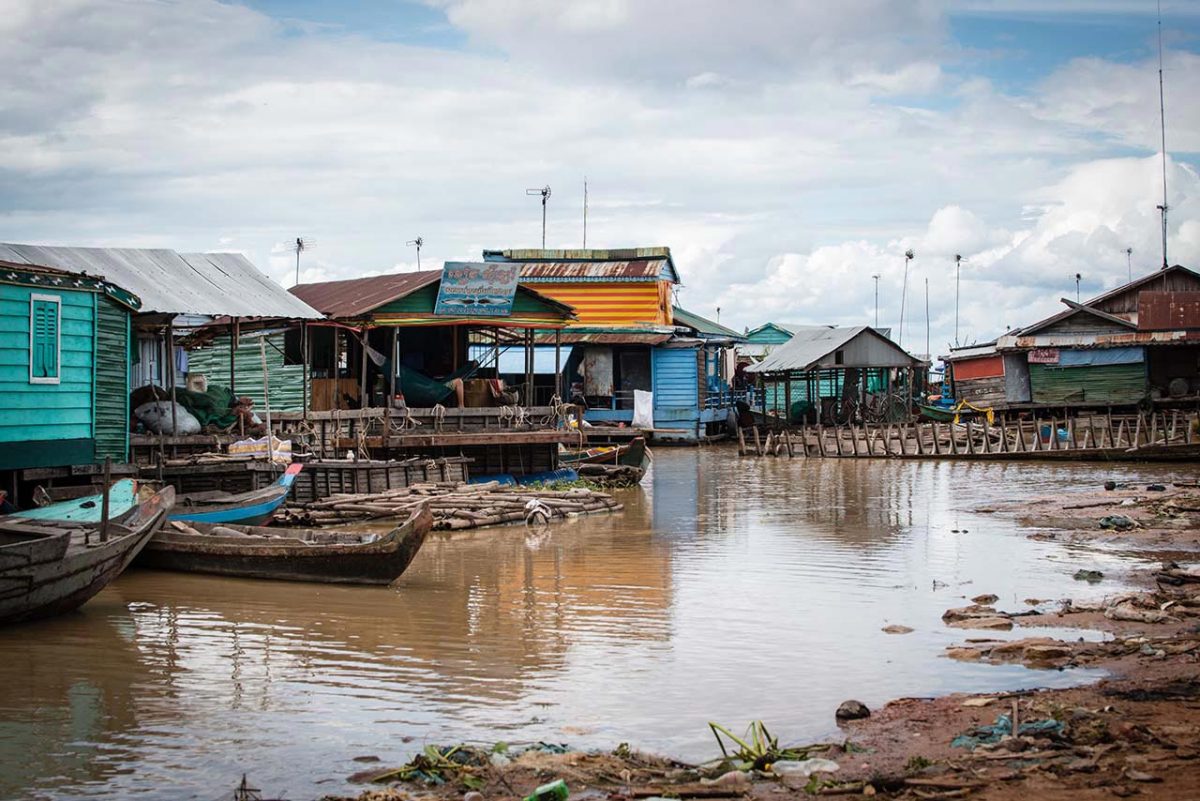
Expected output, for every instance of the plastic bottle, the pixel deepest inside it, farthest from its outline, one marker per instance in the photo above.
(554, 791)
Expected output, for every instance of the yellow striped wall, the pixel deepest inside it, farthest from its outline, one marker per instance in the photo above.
(623, 304)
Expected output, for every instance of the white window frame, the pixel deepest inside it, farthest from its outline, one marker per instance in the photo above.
(57, 300)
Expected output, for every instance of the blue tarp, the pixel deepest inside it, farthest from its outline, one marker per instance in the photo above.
(1084, 358)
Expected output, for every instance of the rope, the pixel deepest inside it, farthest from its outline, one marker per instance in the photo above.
(439, 417)
(407, 423)
(991, 414)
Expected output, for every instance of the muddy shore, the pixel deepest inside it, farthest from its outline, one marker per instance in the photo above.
(1134, 733)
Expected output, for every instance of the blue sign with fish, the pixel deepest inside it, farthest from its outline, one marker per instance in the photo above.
(478, 289)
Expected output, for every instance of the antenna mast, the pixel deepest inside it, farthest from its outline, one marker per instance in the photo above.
(545, 193)
(1129, 262)
(417, 243)
(585, 212)
(299, 246)
(908, 256)
(957, 282)
(1162, 120)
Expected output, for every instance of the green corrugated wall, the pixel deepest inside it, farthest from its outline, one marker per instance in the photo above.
(286, 380)
(112, 380)
(1106, 383)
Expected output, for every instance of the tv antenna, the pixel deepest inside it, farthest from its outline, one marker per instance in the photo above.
(1129, 262)
(585, 199)
(908, 256)
(1162, 121)
(301, 244)
(417, 244)
(1078, 278)
(545, 193)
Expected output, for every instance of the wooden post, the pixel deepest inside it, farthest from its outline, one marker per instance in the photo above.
(558, 364)
(757, 442)
(987, 435)
(392, 361)
(820, 438)
(1070, 422)
(362, 390)
(172, 380)
(262, 352)
(787, 400)
(1152, 438)
(104, 499)
(787, 440)
(234, 336)
(741, 442)
(1137, 432)
(920, 438)
(953, 438)
(306, 355)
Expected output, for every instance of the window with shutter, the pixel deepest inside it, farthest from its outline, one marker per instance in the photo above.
(45, 312)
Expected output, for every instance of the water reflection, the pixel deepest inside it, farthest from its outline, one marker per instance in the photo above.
(728, 590)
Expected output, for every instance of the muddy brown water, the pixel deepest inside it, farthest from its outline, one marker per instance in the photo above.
(728, 591)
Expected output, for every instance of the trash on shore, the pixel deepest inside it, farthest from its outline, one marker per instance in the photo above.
(1003, 727)
(1090, 576)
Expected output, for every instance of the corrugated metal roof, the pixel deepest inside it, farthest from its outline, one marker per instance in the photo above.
(167, 282)
(1113, 340)
(570, 337)
(1163, 311)
(807, 347)
(704, 325)
(659, 257)
(636, 270)
(357, 296)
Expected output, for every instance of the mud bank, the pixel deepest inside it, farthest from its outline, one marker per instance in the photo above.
(1134, 733)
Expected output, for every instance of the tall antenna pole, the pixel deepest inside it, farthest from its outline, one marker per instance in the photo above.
(545, 193)
(585, 212)
(928, 350)
(957, 283)
(417, 243)
(1129, 262)
(1078, 277)
(299, 246)
(1162, 121)
(876, 277)
(908, 256)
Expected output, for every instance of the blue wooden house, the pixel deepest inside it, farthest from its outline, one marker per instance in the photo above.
(64, 368)
(629, 337)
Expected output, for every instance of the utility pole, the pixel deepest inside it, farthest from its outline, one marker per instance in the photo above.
(417, 243)
(957, 283)
(876, 276)
(928, 349)
(1162, 121)
(545, 193)
(908, 256)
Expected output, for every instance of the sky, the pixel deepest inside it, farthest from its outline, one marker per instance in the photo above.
(787, 151)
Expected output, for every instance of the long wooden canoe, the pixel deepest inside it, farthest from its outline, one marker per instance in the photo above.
(290, 554)
(632, 453)
(247, 508)
(49, 566)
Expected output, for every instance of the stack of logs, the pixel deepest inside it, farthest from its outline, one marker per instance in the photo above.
(454, 506)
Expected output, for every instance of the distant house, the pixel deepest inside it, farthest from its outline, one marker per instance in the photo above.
(828, 374)
(64, 366)
(629, 337)
(1138, 343)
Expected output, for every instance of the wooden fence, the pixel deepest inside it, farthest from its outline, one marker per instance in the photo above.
(1150, 436)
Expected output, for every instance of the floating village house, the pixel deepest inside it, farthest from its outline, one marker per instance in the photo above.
(414, 357)
(825, 374)
(141, 301)
(63, 369)
(1134, 345)
(626, 339)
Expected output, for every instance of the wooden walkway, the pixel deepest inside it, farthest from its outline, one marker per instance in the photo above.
(1143, 437)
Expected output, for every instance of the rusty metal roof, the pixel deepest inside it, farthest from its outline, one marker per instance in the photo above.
(571, 337)
(1162, 311)
(355, 297)
(560, 271)
(167, 282)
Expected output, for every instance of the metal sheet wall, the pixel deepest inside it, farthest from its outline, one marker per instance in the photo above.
(112, 380)
(286, 380)
(1120, 384)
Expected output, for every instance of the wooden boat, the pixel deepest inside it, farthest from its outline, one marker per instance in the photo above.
(289, 554)
(247, 508)
(937, 414)
(633, 453)
(50, 566)
(122, 497)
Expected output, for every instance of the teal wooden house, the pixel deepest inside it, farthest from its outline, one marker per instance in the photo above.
(64, 368)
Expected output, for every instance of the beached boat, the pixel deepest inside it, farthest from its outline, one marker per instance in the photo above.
(122, 497)
(247, 508)
(49, 566)
(335, 556)
(633, 453)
